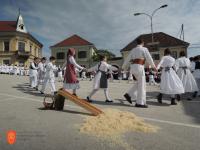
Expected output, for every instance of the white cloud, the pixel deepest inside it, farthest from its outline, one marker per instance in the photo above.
(107, 23)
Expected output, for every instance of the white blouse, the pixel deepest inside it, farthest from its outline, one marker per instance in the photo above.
(72, 61)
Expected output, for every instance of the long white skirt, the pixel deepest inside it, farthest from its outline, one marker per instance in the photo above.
(170, 83)
(188, 80)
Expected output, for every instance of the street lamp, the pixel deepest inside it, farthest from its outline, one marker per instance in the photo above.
(151, 18)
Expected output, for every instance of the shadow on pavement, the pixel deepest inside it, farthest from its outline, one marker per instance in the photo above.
(192, 108)
(67, 111)
(99, 102)
(25, 88)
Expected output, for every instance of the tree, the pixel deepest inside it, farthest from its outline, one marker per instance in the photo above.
(103, 52)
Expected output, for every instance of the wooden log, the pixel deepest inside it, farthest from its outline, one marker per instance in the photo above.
(82, 103)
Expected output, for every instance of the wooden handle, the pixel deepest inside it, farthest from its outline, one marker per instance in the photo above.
(84, 104)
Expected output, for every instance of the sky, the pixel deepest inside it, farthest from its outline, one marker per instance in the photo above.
(108, 24)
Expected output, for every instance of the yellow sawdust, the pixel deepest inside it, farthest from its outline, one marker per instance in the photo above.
(113, 123)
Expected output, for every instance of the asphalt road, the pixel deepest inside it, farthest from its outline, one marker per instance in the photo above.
(37, 129)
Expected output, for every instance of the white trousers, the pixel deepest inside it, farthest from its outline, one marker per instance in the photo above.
(138, 90)
(33, 81)
(51, 83)
(105, 92)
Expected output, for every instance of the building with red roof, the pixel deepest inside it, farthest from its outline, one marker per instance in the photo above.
(85, 50)
(17, 45)
(161, 42)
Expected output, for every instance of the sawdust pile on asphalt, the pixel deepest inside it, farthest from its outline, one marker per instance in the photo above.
(113, 123)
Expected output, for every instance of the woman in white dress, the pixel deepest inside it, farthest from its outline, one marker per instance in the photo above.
(196, 73)
(183, 71)
(170, 82)
(100, 79)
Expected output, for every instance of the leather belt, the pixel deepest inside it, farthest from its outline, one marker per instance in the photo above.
(138, 61)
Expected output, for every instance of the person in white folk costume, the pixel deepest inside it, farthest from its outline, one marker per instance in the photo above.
(101, 78)
(170, 82)
(192, 64)
(15, 70)
(49, 76)
(196, 74)
(18, 71)
(34, 73)
(151, 77)
(130, 77)
(70, 77)
(183, 66)
(60, 76)
(137, 57)
(41, 71)
(83, 75)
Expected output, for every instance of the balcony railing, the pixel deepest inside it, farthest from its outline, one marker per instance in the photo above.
(2, 53)
(23, 54)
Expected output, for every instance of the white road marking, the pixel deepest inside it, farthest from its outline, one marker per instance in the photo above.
(145, 118)
(172, 123)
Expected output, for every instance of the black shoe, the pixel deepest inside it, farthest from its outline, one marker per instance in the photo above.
(159, 98)
(108, 101)
(36, 88)
(173, 101)
(189, 99)
(88, 99)
(41, 92)
(195, 94)
(128, 98)
(178, 97)
(141, 106)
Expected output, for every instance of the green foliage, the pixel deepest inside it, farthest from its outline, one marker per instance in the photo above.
(105, 52)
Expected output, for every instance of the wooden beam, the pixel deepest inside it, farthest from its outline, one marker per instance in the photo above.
(82, 103)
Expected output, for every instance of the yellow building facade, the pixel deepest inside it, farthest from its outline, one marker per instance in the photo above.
(17, 46)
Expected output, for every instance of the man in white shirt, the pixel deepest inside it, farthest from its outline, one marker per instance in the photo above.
(50, 76)
(41, 70)
(33, 73)
(137, 58)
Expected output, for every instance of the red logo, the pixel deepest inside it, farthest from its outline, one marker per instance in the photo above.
(11, 137)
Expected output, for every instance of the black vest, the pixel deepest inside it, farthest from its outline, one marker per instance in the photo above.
(197, 65)
(35, 66)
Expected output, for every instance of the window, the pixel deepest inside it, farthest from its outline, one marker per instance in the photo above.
(6, 46)
(82, 54)
(174, 54)
(60, 55)
(30, 48)
(21, 46)
(6, 61)
(36, 52)
(156, 56)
